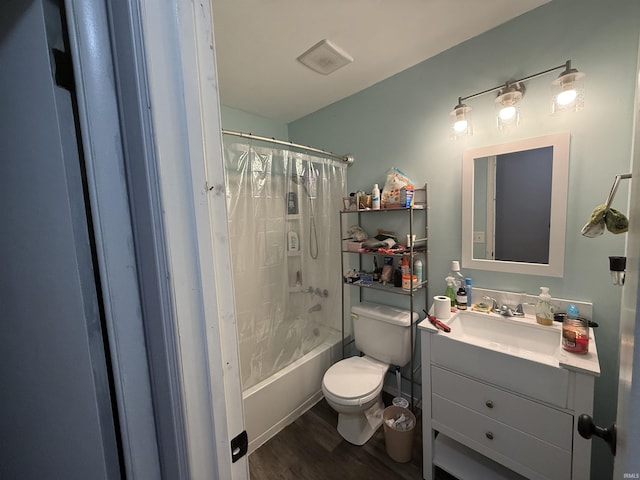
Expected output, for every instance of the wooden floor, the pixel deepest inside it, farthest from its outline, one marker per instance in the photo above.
(312, 449)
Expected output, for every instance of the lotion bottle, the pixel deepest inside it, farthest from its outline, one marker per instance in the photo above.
(375, 197)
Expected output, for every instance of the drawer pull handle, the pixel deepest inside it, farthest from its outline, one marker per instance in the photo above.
(489, 404)
(489, 435)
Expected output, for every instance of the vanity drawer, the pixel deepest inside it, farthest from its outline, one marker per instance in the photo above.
(549, 384)
(541, 421)
(517, 450)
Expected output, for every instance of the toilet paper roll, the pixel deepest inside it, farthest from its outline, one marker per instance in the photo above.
(442, 307)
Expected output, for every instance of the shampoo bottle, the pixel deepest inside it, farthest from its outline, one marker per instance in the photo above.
(375, 197)
(544, 308)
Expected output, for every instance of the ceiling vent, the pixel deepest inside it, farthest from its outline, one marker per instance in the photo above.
(325, 57)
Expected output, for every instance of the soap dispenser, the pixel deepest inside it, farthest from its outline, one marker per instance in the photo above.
(544, 307)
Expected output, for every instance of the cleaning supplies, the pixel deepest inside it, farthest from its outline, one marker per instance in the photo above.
(544, 308)
(450, 291)
(458, 278)
(575, 332)
(375, 197)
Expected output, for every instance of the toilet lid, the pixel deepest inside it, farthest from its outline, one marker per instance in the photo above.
(353, 377)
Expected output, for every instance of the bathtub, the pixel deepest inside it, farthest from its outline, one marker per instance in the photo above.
(280, 399)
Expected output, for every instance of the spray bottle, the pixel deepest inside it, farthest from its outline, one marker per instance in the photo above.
(450, 291)
(456, 276)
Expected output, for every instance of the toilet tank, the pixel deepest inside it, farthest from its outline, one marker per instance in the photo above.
(383, 332)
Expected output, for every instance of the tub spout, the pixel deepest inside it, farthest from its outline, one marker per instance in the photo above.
(315, 308)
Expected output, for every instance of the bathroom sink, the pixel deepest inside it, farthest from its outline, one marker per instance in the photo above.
(517, 336)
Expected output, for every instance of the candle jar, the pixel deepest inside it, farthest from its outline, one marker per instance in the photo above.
(575, 332)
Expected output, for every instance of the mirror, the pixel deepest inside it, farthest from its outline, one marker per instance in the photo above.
(514, 198)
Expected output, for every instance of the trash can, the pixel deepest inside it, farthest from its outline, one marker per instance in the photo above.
(399, 426)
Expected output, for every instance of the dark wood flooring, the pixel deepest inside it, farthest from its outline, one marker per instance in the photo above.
(312, 449)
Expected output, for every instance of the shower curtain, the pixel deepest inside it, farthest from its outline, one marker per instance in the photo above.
(284, 232)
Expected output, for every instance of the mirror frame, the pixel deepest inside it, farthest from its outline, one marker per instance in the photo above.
(559, 188)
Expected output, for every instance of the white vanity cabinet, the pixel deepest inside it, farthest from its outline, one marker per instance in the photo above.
(490, 414)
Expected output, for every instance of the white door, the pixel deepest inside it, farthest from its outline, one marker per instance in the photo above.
(627, 461)
(58, 406)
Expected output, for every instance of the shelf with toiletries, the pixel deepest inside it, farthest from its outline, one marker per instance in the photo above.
(397, 267)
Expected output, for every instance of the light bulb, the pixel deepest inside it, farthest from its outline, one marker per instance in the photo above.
(507, 113)
(567, 97)
(460, 125)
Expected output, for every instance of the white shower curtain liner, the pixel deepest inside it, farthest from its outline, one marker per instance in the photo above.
(286, 295)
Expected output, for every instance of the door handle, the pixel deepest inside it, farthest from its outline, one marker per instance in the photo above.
(586, 428)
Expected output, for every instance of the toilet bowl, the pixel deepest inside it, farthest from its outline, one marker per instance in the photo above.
(352, 387)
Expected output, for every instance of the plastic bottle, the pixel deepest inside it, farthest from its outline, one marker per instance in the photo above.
(417, 269)
(404, 265)
(450, 291)
(575, 332)
(293, 242)
(458, 278)
(544, 308)
(375, 197)
(461, 299)
(467, 283)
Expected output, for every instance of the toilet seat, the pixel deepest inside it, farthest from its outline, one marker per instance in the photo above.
(354, 381)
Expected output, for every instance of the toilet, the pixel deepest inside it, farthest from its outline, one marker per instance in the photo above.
(353, 386)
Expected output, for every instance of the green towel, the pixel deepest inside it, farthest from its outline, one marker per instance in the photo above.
(595, 225)
(612, 219)
(616, 221)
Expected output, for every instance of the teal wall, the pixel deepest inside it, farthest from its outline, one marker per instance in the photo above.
(403, 122)
(240, 121)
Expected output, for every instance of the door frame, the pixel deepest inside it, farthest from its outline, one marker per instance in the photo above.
(145, 76)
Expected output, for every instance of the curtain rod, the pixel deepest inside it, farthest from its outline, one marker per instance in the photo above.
(348, 159)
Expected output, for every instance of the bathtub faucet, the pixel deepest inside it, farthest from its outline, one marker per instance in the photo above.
(317, 307)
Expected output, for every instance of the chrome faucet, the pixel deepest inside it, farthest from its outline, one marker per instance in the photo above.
(505, 310)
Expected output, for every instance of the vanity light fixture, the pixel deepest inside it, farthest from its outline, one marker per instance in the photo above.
(507, 105)
(568, 95)
(461, 124)
(568, 90)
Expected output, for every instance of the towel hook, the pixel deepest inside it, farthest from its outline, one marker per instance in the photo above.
(614, 187)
